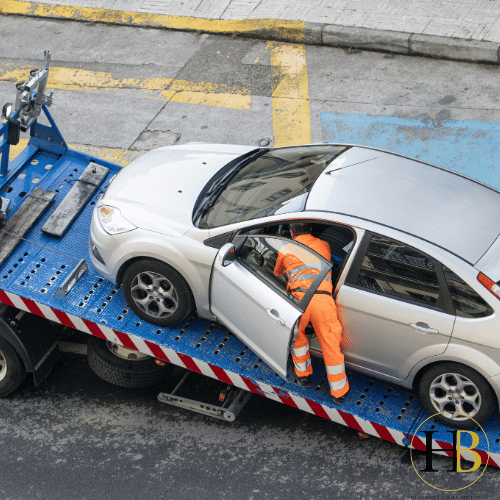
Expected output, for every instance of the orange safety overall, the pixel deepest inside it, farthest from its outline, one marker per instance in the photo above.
(321, 312)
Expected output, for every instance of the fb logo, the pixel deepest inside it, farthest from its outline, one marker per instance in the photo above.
(464, 444)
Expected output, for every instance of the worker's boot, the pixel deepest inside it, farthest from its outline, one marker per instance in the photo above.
(304, 381)
(341, 399)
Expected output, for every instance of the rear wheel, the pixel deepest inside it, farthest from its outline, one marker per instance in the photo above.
(12, 371)
(458, 393)
(157, 293)
(125, 367)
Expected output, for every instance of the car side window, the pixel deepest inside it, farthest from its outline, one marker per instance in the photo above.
(260, 254)
(392, 268)
(466, 301)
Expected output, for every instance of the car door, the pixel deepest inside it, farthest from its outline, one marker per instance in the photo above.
(253, 302)
(393, 307)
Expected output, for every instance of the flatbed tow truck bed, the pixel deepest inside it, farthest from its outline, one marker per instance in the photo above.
(35, 270)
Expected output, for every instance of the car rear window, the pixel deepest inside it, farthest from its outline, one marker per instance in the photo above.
(466, 301)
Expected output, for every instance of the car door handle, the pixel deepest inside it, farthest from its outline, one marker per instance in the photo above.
(275, 316)
(423, 328)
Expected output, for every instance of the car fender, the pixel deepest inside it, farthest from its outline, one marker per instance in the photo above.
(465, 355)
(172, 251)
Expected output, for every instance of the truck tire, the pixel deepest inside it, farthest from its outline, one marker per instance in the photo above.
(12, 371)
(157, 293)
(124, 367)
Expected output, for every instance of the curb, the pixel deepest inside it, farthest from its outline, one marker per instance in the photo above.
(394, 42)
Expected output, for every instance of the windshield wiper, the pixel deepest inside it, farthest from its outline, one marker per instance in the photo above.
(209, 195)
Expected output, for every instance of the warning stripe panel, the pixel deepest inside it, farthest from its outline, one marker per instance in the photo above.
(285, 397)
(63, 318)
(94, 329)
(317, 409)
(33, 307)
(125, 340)
(4, 298)
(189, 363)
(383, 432)
(252, 387)
(157, 351)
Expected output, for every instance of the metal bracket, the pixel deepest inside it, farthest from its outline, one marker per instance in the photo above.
(71, 280)
(29, 101)
(228, 411)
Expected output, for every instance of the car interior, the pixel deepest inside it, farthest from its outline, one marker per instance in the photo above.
(340, 238)
(263, 260)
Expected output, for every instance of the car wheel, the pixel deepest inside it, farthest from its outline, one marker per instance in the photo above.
(457, 392)
(125, 367)
(157, 293)
(12, 371)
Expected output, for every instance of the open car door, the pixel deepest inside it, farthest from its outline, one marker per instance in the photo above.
(254, 303)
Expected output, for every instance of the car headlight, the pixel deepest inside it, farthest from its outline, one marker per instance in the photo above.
(112, 220)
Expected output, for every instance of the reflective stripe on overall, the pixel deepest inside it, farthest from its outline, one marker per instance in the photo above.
(322, 313)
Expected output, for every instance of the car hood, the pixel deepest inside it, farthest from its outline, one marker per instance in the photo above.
(158, 190)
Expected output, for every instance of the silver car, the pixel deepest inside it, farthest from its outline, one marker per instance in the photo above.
(415, 258)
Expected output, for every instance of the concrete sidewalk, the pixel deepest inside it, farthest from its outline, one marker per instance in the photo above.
(460, 29)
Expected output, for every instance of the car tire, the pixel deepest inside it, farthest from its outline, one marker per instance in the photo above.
(157, 293)
(453, 387)
(12, 370)
(116, 364)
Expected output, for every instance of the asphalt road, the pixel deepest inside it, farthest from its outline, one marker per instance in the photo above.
(119, 91)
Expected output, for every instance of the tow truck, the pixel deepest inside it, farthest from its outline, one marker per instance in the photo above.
(46, 280)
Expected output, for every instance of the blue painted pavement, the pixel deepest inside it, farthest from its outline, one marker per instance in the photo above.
(468, 147)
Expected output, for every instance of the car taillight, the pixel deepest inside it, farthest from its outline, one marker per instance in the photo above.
(489, 284)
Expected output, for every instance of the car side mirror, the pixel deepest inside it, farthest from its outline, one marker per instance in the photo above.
(226, 254)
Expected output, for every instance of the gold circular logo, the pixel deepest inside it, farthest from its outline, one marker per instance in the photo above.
(475, 454)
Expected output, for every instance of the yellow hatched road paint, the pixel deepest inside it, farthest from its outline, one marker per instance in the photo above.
(163, 89)
(293, 31)
(291, 113)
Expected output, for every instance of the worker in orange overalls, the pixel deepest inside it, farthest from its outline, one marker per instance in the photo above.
(321, 311)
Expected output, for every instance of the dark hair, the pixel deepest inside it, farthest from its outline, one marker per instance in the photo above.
(299, 228)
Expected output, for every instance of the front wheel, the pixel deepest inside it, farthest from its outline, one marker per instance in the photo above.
(12, 371)
(457, 392)
(157, 293)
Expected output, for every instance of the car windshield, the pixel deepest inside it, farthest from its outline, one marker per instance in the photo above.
(274, 183)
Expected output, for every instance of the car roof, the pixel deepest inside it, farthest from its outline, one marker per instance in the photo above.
(433, 203)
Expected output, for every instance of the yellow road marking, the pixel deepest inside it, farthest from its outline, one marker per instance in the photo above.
(114, 155)
(294, 31)
(291, 114)
(164, 89)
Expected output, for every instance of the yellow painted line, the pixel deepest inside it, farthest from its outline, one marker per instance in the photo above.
(15, 150)
(164, 89)
(114, 155)
(293, 31)
(291, 113)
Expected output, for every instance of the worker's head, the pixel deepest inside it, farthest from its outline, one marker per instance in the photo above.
(298, 228)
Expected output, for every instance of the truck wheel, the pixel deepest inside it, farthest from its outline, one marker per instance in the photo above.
(157, 293)
(457, 392)
(125, 367)
(12, 371)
